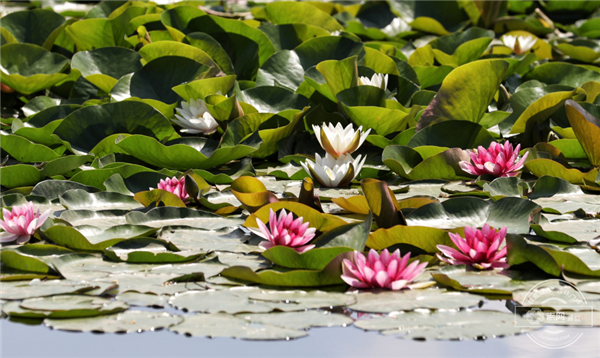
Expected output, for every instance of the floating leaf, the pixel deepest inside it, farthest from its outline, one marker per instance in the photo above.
(130, 321)
(29, 68)
(587, 129)
(68, 306)
(223, 325)
(477, 82)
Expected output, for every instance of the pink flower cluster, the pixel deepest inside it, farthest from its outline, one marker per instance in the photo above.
(381, 271)
(21, 223)
(175, 186)
(499, 160)
(480, 248)
(285, 231)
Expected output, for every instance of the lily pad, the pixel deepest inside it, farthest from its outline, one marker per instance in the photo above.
(461, 325)
(170, 216)
(90, 238)
(388, 301)
(220, 301)
(126, 322)
(226, 239)
(300, 320)
(223, 325)
(514, 213)
(148, 250)
(67, 306)
(28, 68)
(78, 199)
(142, 299)
(35, 288)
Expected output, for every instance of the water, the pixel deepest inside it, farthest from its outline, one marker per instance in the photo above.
(20, 340)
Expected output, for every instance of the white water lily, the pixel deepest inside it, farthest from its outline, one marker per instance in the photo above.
(378, 80)
(194, 118)
(338, 140)
(395, 27)
(519, 44)
(331, 172)
(335, 33)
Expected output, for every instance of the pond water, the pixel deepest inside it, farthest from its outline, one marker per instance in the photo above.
(21, 340)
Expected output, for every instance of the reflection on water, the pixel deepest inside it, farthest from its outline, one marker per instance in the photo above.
(20, 340)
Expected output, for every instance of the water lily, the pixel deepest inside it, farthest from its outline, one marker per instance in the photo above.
(519, 44)
(395, 27)
(338, 140)
(331, 172)
(481, 249)
(387, 270)
(498, 160)
(194, 118)
(378, 80)
(175, 186)
(335, 33)
(21, 223)
(285, 231)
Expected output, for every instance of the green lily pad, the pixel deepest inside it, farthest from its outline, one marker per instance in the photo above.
(104, 66)
(100, 219)
(477, 81)
(53, 189)
(247, 47)
(409, 163)
(460, 325)
(19, 290)
(293, 12)
(229, 239)
(21, 174)
(126, 322)
(29, 68)
(172, 216)
(289, 36)
(142, 299)
(223, 325)
(551, 259)
(202, 88)
(301, 300)
(452, 133)
(182, 154)
(221, 301)
(155, 80)
(44, 33)
(424, 238)
(586, 128)
(67, 306)
(90, 238)
(26, 151)
(568, 231)
(78, 199)
(562, 73)
(85, 128)
(330, 275)
(32, 258)
(489, 282)
(299, 320)
(387, 301)
(511, 212)
(93, 33)
(147, 250)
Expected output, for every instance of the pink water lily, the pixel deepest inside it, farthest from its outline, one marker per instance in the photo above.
(285, 231)
(481, 249)
(381, 271)
(21, 223)
(175, 186)
(499, 160)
